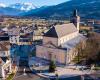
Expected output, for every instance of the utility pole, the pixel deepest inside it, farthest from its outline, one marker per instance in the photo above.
(57, 77)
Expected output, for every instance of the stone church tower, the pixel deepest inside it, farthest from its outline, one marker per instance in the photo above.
(75, 19)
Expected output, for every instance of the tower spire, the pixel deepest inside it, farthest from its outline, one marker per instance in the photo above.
(75, 19)
(75, 13)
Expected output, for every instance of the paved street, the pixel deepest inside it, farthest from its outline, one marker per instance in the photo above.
(29, 76)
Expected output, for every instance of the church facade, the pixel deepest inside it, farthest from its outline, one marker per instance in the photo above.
(60, 41)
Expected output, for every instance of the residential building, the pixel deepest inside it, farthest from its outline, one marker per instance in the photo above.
(4, 48)
(14, 35)
(26, 35)
(20, 36)
(3, 36)
(37, 35)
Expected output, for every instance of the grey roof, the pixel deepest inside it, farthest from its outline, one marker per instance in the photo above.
(14, 31)
(61, 30)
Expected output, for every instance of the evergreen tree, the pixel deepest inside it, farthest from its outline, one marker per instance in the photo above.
(52, 66)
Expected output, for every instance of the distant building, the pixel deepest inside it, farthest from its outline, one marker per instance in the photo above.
(26, 36)
(3, 36)
(59, 43)
(14, 35)
(37, 35)
(20, 36)
(4, 48)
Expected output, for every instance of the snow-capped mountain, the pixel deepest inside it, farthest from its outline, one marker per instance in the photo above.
(23, 6)
(16, 9)
(87, 8)
(2, 5)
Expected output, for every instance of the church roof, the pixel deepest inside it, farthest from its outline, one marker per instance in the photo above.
(61, 30)
(73, 42)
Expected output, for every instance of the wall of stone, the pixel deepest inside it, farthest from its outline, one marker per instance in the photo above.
(51, 53)
(52, 40)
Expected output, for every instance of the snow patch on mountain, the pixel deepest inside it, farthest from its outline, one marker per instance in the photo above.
(23, 6)
(2, 5)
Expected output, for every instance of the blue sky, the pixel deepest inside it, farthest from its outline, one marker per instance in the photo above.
(35, 2)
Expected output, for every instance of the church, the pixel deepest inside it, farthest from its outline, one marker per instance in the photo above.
(59, 43)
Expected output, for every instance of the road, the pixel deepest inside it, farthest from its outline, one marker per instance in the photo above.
(29, 75)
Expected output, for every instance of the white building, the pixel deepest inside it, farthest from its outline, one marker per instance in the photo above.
(14, 35)
(20, 36)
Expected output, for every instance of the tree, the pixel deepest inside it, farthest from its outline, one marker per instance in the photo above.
(92, 48)
(90, 52)
(52, 66)
(79, 49)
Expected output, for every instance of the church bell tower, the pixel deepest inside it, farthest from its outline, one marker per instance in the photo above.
(75, 19)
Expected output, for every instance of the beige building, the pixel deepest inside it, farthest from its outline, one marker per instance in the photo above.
(4, 48)
(59, 43)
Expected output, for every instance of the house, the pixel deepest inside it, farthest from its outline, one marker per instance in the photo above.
(5, 61)
(26, 36)
(20, 36)
(3, 36)
(4, 48)
(37, 35)
(59, 43)
(14, 35)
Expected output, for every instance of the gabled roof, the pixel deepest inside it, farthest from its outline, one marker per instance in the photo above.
(51, 33)
(73, 42)
(61, 30)
(14, 31)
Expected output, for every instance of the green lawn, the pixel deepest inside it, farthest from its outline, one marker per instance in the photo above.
(10, 77)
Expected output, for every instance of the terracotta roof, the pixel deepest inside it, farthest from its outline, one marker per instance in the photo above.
(61, 30)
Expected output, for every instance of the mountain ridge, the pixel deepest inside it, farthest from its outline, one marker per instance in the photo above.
(89, 9)
(23, 6)
(16, 9)
(86, 8)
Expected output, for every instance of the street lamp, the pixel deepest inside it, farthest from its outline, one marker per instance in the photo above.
(39, 65)
(24, 71)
